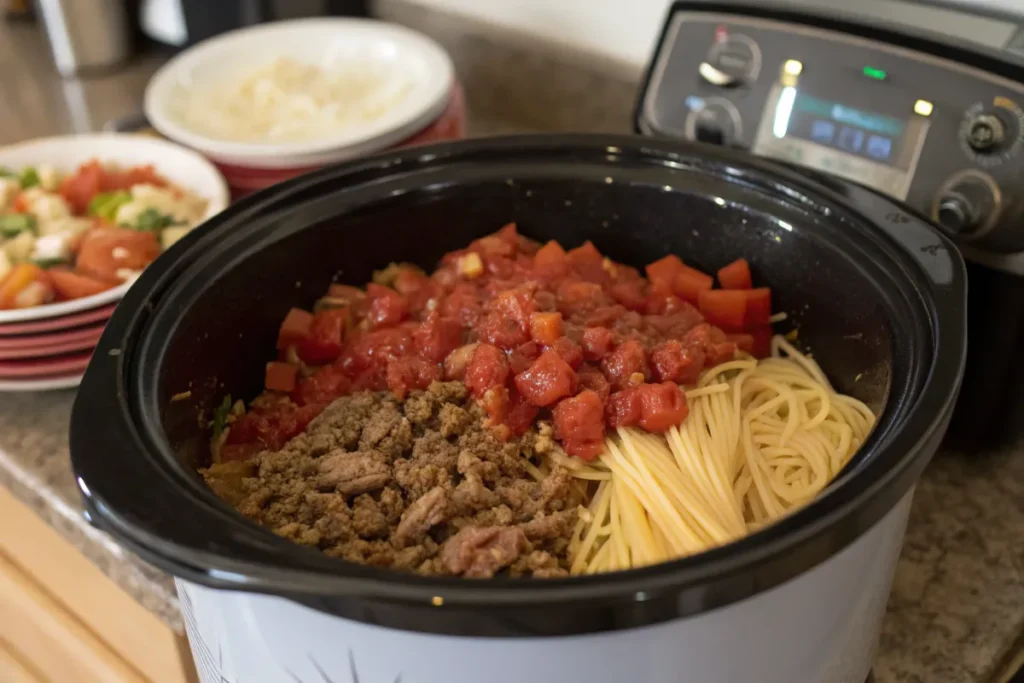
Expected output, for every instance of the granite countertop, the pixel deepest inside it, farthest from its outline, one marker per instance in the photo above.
(956, 614)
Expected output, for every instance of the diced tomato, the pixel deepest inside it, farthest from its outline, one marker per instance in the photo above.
(523, 356)
(724, 307)
(327, 384)
(274, 428)
(579, 424)
(690, 282)
(742, 340)
(661, 303)
(105, 251)
(520, 414)
(625, 363)
(570, 351)
(80, 187)
(673, 362)
(417, 288)
(280, 376)
(758, 307)
(605, 316)
(581, 296)
(588, 263)
(74, 286)
(630, 294)
(664, 271)
(662, 406)
(736, 275)
(387, 307)
(712, 341)
(586, 253)
(590, 377)
(545, 328)
(437, 337)
(762, 347)
(597, 342)
(502, 331)
(547, 380)
(323, 343)
(509, 233)
(487, 368)
(463, 303)
(515, 304)
(410, 372)
(653, 407)
(550, 260)
(493, 245)
(124, 180)
(623, 408)
(373, 350)
(295, 327)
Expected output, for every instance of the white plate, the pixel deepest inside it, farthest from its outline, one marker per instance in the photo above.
(179, 165)
(51, 384)
(231, 57)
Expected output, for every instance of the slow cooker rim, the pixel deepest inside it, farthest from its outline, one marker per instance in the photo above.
(468, 590)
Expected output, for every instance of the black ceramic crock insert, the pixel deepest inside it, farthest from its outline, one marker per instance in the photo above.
(876, 293)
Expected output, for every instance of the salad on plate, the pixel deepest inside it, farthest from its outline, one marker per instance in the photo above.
(69, 236)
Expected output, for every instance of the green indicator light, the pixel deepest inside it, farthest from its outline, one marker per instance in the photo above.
(877, 74)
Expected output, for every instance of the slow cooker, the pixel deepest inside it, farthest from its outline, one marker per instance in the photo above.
(876, 292)
(921, 100)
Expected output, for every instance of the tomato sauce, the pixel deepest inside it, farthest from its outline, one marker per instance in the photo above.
(534, 331)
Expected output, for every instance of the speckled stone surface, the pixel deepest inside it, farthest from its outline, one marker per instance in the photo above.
(956, 614)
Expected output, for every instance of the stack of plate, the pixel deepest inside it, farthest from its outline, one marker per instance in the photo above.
(48, 347)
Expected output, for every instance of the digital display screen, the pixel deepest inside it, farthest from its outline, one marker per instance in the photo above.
(866, 134)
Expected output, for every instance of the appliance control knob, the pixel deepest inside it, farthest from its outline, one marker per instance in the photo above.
(985, 132)
(716, 122)
(734, 59)
(965, 206)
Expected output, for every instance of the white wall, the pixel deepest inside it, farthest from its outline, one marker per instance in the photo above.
(625, 30)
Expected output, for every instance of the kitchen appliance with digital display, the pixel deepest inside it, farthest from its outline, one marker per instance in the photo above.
(923, 102)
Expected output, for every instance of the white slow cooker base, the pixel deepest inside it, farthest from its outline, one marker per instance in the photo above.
(820, 627)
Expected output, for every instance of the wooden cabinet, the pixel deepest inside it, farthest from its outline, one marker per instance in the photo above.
(63, 621)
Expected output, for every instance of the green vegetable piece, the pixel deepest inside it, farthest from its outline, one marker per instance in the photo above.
(152, 220)
(13, 224)
(29, 178)
(106, 204)
(220, 416)
(45, 263)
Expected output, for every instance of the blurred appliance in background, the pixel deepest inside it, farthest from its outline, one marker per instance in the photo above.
(86, 35)
(186, 22)
(15, 9)
(922, 101)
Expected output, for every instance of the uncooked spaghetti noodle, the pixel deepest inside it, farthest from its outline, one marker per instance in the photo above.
(762, 439)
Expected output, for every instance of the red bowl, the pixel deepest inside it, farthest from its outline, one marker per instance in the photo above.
(451, 125)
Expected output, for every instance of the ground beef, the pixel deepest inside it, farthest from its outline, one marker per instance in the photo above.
(420, 485)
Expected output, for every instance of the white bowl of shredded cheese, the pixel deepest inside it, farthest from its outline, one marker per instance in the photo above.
(303, 92)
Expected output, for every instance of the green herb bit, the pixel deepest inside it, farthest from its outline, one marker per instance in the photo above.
(45, 263)
(29, 178)
(220, 416)
(13, 224)
(106, 204)
(152, 220)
